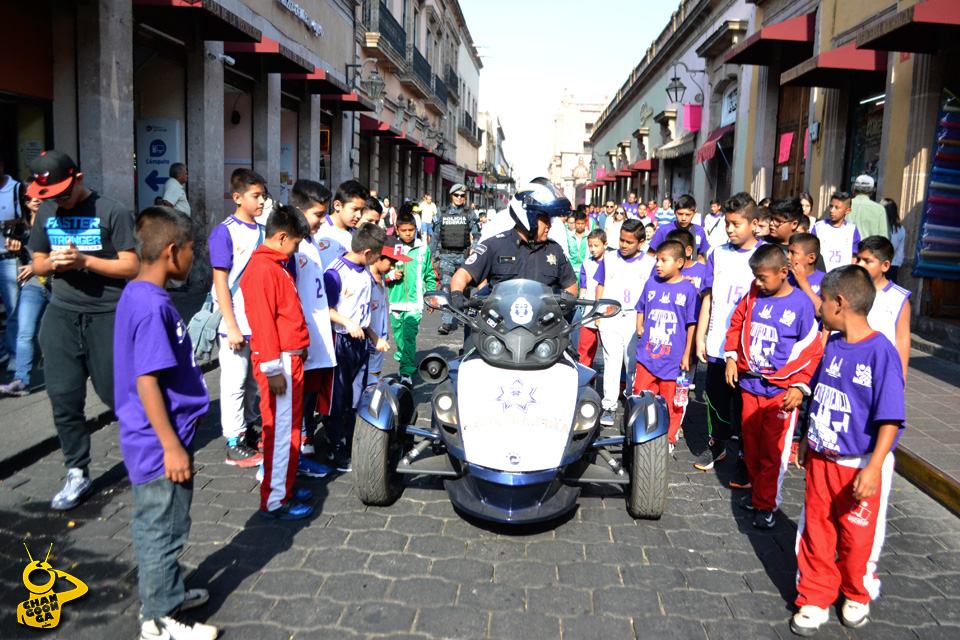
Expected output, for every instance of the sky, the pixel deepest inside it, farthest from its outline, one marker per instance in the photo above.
(533, 50)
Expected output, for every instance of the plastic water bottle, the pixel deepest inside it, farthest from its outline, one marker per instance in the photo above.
(681, 397)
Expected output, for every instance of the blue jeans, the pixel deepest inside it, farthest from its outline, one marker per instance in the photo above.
(161, 524)
(9, 292)
(30, 308)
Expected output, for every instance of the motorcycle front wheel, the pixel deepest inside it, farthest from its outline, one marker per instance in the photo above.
(376, 454)
(647, 463)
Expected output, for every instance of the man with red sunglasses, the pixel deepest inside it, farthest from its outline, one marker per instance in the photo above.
(85, 243)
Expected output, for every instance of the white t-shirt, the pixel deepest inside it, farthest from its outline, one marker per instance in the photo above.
(729, 277)
(352, 295)
(331, 243)
(313, 299)
(623, 279)
(175, 194)
(231, 244)
(886, 310)
(838, 245)
(716, 229)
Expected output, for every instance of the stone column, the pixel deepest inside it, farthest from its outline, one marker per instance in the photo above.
(105, 97)
(266, 130)
(309, 143)
(375, 165)
(395, 194)
(340, 148)
(206, 187)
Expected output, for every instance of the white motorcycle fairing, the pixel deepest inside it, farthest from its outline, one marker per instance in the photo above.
(516, 421)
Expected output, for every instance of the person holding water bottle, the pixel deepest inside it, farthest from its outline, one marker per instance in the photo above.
(666, 322)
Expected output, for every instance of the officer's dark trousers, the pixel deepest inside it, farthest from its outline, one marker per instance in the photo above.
(76, 346)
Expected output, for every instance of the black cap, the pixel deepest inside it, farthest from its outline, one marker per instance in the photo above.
(53, 173)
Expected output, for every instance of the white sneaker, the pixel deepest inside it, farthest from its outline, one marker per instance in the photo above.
(77, 485)
(168, 628)
(807, 621)
(855, 613)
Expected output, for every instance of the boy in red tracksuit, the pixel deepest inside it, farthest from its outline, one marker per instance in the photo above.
(772, 348)
(856, 415)
(278, 342)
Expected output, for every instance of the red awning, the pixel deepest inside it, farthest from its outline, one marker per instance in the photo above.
(276, 57)
(350, 101)
(588, 186)
(926, 27)
(610, 178)
(792, 39)
(184, 19)
(709, 148)
(649, 164)
(318, 82)
(834, 68)
(376, 127)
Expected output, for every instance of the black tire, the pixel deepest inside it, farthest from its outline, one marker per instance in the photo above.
(647, 464)
(375, 457)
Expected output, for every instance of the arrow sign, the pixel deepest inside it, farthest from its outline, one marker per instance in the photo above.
(154, 181)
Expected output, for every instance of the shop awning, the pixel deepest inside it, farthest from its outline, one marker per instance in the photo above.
(709, 148)
(834, 68)
(682, 146)
(790, 39)
(588, 186)
(180, 18)
(318, 82)
(276, 57)
(610, 177)
(926, 27)
(352, 101)
(648, 164)
(377, 127)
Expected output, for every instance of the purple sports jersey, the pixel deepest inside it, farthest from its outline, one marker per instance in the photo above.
(814, 279)
(696, 273)
(699, 236)
(150, 338)
(667, 310)
(856, 386)
(780, 329)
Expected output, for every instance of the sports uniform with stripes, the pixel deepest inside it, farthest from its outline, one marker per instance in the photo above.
(623, 280)
(857, 387)
(776, 344)
(279, 338)
(379, 322)
(838, 245)
(886, 309)
(321, 358)
(332, 242)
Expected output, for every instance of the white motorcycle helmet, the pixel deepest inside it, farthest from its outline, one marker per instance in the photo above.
(537, 198)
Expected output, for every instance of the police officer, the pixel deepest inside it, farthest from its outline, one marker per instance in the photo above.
(524, 251)
(453, 231)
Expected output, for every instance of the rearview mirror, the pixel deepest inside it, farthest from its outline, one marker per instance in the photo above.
(605, 309)
(436, 299)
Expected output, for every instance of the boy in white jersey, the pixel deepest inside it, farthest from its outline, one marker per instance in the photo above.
(348, 285)
(727, 280)
(334, 236)
(231, 244)
(312, 199)
(372, 211)
(597, 246)
(838, 238)
(890, 313)
(621, 277)
(391, 254)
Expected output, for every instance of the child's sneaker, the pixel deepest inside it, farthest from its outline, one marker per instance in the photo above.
(714, 453)
(764, 519)
(741, 477)
(77, 485)
(302, 495)
(309, 468)
(807, 621)
(292, 510)
(15, 388)
(194, 598)
(342, 460)
(169, 628)
(746, 503)
(240, 455)
(407, 381)
(854, 614)
(307, 448)
(608, 418)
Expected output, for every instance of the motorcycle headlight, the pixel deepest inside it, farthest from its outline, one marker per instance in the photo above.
(586, 417)
(493, 346)
(544, 350)
(444, 403)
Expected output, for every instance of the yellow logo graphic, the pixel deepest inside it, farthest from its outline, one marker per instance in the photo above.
(42, 609)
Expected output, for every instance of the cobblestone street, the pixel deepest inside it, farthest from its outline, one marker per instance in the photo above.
(419, 570)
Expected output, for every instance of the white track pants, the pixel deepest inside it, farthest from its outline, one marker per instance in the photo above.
(238, 390)
(618, 337)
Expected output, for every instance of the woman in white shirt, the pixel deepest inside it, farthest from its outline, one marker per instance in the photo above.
(613, 227)
(898, 237)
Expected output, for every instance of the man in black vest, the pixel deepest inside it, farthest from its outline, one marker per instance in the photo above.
(453, 232)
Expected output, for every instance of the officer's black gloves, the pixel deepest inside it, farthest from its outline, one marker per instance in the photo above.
(457, 300)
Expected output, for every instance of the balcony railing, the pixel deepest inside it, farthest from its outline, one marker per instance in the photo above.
(419, 64)
(452, 80)
(468, 122)
(440, 90)
(392, 31)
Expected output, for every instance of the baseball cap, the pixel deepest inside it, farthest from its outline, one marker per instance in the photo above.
(393, 249)
(53, 172)
(865, 183)
(457, 187)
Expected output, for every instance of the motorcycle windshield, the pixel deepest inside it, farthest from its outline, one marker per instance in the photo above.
(516, 421)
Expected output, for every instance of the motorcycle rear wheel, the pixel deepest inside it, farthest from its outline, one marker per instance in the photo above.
(646, 494)
(375, 457)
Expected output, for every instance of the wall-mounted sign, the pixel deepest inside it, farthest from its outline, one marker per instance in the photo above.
(302, 16)
(158, 147)
(728, 108)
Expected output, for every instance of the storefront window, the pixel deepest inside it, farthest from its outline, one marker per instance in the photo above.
(865, 134)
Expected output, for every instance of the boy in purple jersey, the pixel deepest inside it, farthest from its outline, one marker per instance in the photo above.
(694, 271)
(160, 400)
(772, 349)
(666, 321)
(856, 413)
(802, 254)
(685, 211)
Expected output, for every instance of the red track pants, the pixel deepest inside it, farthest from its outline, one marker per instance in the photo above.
(767, 432)
(838, 538)
(645, 381)
(282, 418)
(589, 340)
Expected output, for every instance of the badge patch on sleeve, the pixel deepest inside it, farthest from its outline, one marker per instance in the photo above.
(473, 258)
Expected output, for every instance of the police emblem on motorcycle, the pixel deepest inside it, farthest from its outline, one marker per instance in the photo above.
(517, 395)
(513, 458)
(521, 311)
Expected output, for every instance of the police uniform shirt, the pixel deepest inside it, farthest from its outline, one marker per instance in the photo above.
(507, 256)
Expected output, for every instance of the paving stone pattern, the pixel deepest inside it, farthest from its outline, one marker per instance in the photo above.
(419, 570)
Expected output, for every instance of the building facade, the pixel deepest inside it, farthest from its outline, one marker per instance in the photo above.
(497, 178)
(572, 149)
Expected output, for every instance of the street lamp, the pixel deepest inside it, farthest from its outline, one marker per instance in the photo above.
(676, 89)
(373, 85)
